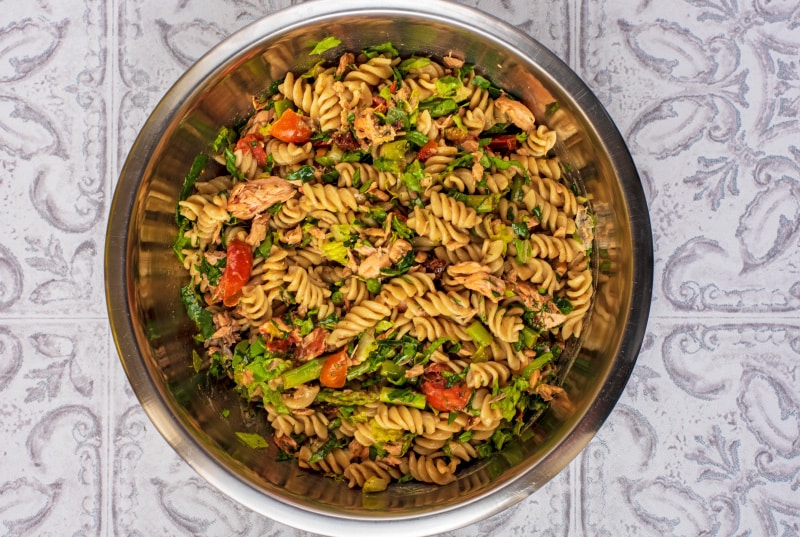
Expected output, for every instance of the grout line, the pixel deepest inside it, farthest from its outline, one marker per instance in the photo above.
(111, 38)
(574, 12)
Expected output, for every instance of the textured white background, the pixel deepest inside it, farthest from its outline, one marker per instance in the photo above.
(704, 441)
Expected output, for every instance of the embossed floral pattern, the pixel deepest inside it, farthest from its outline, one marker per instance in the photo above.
(706, 439)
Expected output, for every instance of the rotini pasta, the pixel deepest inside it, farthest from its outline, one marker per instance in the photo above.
(388, 260)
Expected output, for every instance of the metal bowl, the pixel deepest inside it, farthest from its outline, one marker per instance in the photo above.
(143, 277)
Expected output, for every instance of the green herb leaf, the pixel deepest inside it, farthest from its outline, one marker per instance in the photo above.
(252, 440)
(266, 245)
(383, 164)
(552, 108)
(383, 48)
(336, 251)
(196, 312)
(416, 138)
(225, 137)
(304, 173)
(397, 115)
(212, 272)
(483, 83)
(197, 361)
(325, 45)
(230, 164)
(402, 266)
(402, 230)
(413, 176)
(438, 106)
(521, 229)
(447, 86)
(182, 241)
(325, 450)
(189, 181)
(414, 62)
(524, 252)
(563, 304)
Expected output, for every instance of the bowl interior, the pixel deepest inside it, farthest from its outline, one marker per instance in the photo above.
(154, 336)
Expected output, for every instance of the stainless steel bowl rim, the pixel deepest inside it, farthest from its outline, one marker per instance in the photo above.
(118, 282)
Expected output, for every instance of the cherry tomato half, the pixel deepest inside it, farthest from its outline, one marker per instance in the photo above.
(507, 142)
(439, 395)
(427, 150)
(334, 370)
(291, 127)
(252, 143)
(236, 273)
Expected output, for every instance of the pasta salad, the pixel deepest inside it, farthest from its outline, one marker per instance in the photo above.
(390, 262)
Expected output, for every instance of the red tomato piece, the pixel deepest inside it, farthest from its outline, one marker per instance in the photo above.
(334, 370)
(439, 395)
(427, 150)
(236, 273)
(506, 142)
(253, 143)
(291, 128)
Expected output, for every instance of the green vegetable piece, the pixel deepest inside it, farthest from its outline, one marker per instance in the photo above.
(416, 138)
(304, 173)
(282, 106)
(252, 440)
(383, 326)
(383, 48)
(563, 304)
(528, 337)
(482, 203)
(307, 372)
(182, 241)
(324, 450)
(325, 45)
(413, 176)
(402, 266)
(374, 484)
(537, 363)
(266, 245)
(447, 86)
(393, 372)
(374, 286)
(384, 164)
(414, 62)
(521, 229)
(225, 137)
(197, 361)
(483, 83)
(479, 334)
(438, 106)
(394, 150)
(198, 164)
(346, 398)
(230, 164)
(196, 312)
(366, 344)
(402, 230)
(336, 251)
(524, 251)
(401, 396)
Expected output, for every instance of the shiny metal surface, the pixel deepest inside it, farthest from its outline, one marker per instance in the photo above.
(143, 277)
